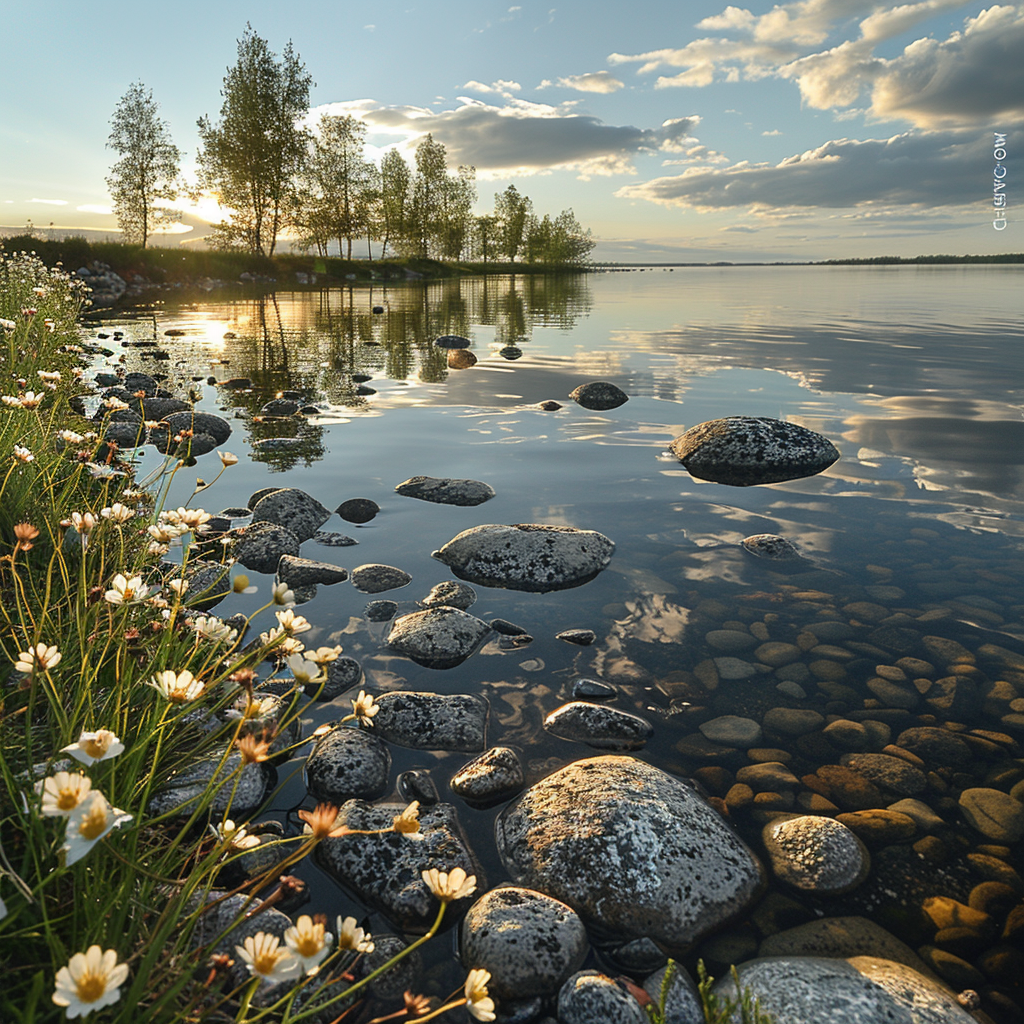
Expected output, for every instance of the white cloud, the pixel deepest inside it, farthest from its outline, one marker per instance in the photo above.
(919, 170)
(523, 137)
(593, 81)
(49, 202)
(730, 18)
(369, 28)
(774, 131)
(93, 208)
(501, 87)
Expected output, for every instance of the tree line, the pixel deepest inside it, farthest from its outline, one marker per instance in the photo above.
(274, 173)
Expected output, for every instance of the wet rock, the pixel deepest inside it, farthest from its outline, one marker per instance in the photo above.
(358, 510)
(235, 383)
(747, 450)
(348, 763)
(682, 1002)
(889, 772)
(259, 547)
(343, 674)
(633, 850)
(549, 406)
(527, 557)
(159, 408)
(393, 982)
(588, 997)
(432, 721)
(306, 572)
(599, 726)
(995, 814)
(936, 747)
(816, 854)
(461, 359)
(767, 545)
(225, 922)
(375, 579)
(511, 352)
(439, 637)
(729, 667)
(452, 341)
(289, 507)
(809, 990)
(593, 689)
(792, 721)
(126, 434)
(135, 382)
(280, 407)
(333, 540)
(200, 423)
(494, 775)
(380, 611)
(733, 731)
(257, 496)
(506, 628)
(385, 869)
(840, 937)
(418, 784)
(208, 584)
(529, 942)
(766, 777)
(445, 491)
(880, 826)
(599, 395)
(640, 956)
(451, 593)
(580, 637)
(242, 792)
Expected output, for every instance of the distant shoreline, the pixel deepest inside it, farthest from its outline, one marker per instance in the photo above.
(868, 261)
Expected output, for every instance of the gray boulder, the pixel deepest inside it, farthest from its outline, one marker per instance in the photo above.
(815, 990)
(682, 1001)
(348, 763)
(494, 775)
(529, 942)
(633, 850)
(432, 721)
(200, 423)
(527, 556)
(599, 726)
(243, 792)
(589, 997)
(816, 854)
(747, 450)
(441, 637)
(294, 509)
(599, 395)
(259, 547)
(375, 579)
(455, 595)
(305, 572)
(445, 491)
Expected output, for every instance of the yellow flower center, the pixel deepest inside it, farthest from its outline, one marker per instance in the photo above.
(94, 823)
(67, 799)
(309, 944)
(265, 961)
(90, 987)
(96, 747)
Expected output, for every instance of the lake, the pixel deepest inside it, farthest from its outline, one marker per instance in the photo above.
(914, 536)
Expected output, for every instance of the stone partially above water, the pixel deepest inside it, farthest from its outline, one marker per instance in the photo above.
(439, 637)
(634, 851)
(305, 572)
(294, 509)
(816, 854)
(598, 726)
(771, 547)
(432, 721)
(451, 593)
(527, 556)
(445, 491)
(348, 763)
(599, 395)
(494, 775)
(747, 450)
(375, 579)
(259, 547)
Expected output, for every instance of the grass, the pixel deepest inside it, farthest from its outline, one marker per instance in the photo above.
(111, 683)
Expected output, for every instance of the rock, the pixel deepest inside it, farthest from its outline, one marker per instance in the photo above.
(593, 689)
(936, 746)
(729, 667)
(848, 789)
(879, 826)
(747, 450)
(430, 721)
(816, 854)
(208, 584)
(767, 545)
(294, 509)
(455, 595)
(452, 341)
(343, 674)
(243, 791)
(333, 540)
(200, 423)
(529, 942)
(418, 784)
(639, 956)
(813, 990)
(634, 851)
(384, 870)
(494, 775)
(731, 641)
(549, 406)
(792, 721)
(358, 510)
(840, 937)
(441, 637)
(733, 731)
(589, 997)
(767, 777)
(995, 814)
(259, 547)
(126, 434)
(682, 1002)
(445, 491)
(599, 395)
(923, 816)
(375, 579)
(599, 726)
(527, 557)
(380, 611)
(348, 763)
(889, 772)
(580, 637)
(280, 407)
(306, 572)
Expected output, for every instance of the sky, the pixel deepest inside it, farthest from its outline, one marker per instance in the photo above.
(689, 132)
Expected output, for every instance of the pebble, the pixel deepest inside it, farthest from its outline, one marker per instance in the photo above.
(816, 854)
(767, 776)
(599, 395)
(733, 731)
(493, 776)
(880, 827)
(599, 726)
(358, 510)
(734, 668)
(792, 721)
(777, 654)
(995, 814)
(588, 997)
(451, 593)
(580, 637)
(592, 689)
(889, 772)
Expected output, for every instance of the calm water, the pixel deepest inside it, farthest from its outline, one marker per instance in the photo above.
(916, 374)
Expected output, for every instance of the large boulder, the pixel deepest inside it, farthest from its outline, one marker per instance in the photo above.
(293, 509)
(527, 556)
(746, 450)
(634, 851)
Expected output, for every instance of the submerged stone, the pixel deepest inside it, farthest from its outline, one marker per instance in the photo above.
(747, 450)
(527, 556)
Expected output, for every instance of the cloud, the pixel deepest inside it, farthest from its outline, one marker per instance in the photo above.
(774, 131)
(49, 202)
(593, 81)
(921, 170)
(523, 137)
(501, 87)
(93, 208)
(369, 28)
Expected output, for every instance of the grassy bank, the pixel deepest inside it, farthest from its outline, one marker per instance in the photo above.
(117, 895)
(185, 266)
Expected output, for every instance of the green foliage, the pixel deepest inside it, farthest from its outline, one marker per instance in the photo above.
(717, 1009)
(250, 157)
(148, 168)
